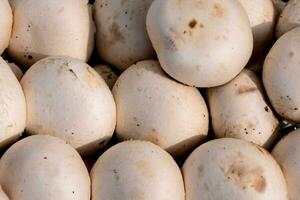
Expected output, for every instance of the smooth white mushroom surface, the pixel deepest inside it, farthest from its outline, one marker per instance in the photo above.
(200, 43)
(12, 106)
(136, 170)
(44, 167)
(262, 16)
(281, 75)
(5, 24)
(151, 106)
(289, 18)
(239, 110)
(51, 28)
(109, 76)
(68, 99)
(233, 169)
(287, 154)
(121, 37)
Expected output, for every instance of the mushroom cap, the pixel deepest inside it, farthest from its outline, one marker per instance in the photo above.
(200, 43)
(136, 170)
(121, 37)
(44, 167)
(68, 99)
(239, 110)
(233, 169)
(281, 75)
(287, 154)
(262, 16)
(153, 107)
(289, 18)
(51, 28)
(5, 24)
(12, 106)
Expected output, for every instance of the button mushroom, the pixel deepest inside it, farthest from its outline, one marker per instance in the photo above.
(153, 107)
(198, 42)
(68, 99)
(136, 170)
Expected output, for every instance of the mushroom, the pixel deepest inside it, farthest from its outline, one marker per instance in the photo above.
(281, 75)
(5, 24)
(233, 169)
(68, 99)
(289, 18)
(239, 110)
(51, 28)
(121, 37)
(136, 170)
(12, 106)
(153, 107)
(286, 152)
(44, 167)
(262, 16)
(200, 43)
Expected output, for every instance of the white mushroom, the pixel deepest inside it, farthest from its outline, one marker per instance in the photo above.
(153, 107)
(12, 106)
(262, 16)
(121, 37)
(198, 42)
(287, 154)
(233, 169)
(5, 24)
(44, 167)
(68, 99)
(136, 170)
(51, 28)
(289, 18)
(239, 110)
(109, 76)
(281, 75)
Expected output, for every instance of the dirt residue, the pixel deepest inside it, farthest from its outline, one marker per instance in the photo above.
(217, 10)
(245, 89)
(192, 23)
(245, 175)
(115, 34)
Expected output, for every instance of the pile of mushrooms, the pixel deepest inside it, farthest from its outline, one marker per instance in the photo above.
(149, 99)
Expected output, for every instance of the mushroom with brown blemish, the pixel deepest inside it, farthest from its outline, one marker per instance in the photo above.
(233, 169)
(136, 170)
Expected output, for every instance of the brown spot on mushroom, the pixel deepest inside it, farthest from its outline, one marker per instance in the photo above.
(200, 171)
(244, 175)
(245, 89)
(116, 174)
(291, 54)
(217, 10)
(266, 108)
(116, 34)
(73, 73)
(193, 23)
